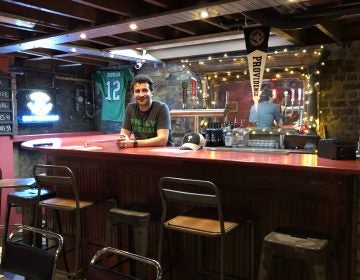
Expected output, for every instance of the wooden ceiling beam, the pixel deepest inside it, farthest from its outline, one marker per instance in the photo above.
(108, 6)
(331, 30)
(58, 8)
(295, 36)
(160, 3)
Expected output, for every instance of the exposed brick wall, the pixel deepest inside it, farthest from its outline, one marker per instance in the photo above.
(339, 105)
(339, 101)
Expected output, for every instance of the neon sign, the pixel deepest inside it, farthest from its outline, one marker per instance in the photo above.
(39, 107)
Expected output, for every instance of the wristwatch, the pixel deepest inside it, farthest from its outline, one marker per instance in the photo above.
(135, 143)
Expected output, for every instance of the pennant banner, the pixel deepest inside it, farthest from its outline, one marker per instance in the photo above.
(256, 39)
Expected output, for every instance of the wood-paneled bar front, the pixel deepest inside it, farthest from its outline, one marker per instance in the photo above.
(299, 190)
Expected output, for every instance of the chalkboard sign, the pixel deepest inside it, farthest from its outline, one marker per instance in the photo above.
(5, 117)
(5, 128)
(6, 107)
(5, 93)
(4, 82)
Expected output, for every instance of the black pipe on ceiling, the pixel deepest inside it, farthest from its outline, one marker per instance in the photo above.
(272, 18)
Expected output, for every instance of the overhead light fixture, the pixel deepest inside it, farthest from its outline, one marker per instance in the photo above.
(133, 26)
(83, 36)
(204, 14)
(16, 20)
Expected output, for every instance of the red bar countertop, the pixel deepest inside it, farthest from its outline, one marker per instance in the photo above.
(103, 146)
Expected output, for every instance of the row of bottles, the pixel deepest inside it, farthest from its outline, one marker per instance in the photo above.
(226, 134)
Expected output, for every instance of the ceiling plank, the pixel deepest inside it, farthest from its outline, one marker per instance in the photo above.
(160, 3)
(331, 30)
(295, 36)
(108, 6)
(58, 8)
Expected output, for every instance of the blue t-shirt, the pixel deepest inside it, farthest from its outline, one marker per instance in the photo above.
(265, 114)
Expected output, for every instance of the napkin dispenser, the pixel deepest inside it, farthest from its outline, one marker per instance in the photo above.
(336, 149)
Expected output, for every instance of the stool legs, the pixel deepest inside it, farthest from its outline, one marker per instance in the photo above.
(137, 224)
(265, 263)
(313, 252)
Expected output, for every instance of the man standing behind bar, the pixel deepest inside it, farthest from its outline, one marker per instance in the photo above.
(149, 121)
(267, 114)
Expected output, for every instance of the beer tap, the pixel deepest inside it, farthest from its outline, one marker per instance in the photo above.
(286, 93)
(184, 86)
(292, 101)
(300, 110)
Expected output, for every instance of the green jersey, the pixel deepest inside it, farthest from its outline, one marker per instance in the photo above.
(112, 84)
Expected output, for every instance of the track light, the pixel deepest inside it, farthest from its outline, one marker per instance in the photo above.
(16, 20)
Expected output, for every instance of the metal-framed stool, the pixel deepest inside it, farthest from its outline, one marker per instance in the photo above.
(67, 201)
(29, 260)
(98, 271)
(14, 183)
(200, 213)
(290, 243)
(27, 200)
(136, 217)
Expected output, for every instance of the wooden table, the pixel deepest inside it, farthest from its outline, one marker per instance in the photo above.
(300, 190)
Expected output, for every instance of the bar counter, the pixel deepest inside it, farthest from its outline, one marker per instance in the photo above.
(298, 190)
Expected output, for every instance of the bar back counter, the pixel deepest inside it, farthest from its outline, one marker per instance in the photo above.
(297, 190)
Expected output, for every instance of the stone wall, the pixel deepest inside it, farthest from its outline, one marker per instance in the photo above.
(168, 80)
(72, 118)
(339, 105)
(339, 101)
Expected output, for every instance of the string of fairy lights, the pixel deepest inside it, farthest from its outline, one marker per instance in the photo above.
(240, 66)
(310, 120)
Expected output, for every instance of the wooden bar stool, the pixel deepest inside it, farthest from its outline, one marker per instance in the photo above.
(13, 183)
(27, 200)
(136, 217)
(289, 243)
(69, 202)
(200, 213)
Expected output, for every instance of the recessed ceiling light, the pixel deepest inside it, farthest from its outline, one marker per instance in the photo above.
(73, 50)
(83, 36)
(133, 26)
(204, 14)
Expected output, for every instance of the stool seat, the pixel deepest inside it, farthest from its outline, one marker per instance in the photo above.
(304, 245)
(29, 196)
(129, 217)
(195, 207)
(14, 183)
(136, 217)
(310, 247)
(17, 182)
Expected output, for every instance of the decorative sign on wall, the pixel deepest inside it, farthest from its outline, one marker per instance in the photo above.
(6, 107)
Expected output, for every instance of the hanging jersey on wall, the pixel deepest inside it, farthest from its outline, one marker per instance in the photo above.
(112, 85)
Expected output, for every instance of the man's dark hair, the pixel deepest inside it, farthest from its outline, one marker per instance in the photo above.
(265, 94)
(140, 79)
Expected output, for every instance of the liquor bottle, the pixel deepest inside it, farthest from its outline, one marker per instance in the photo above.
(208, 135)
(242, 143)
(214, 138)
(228, 137)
